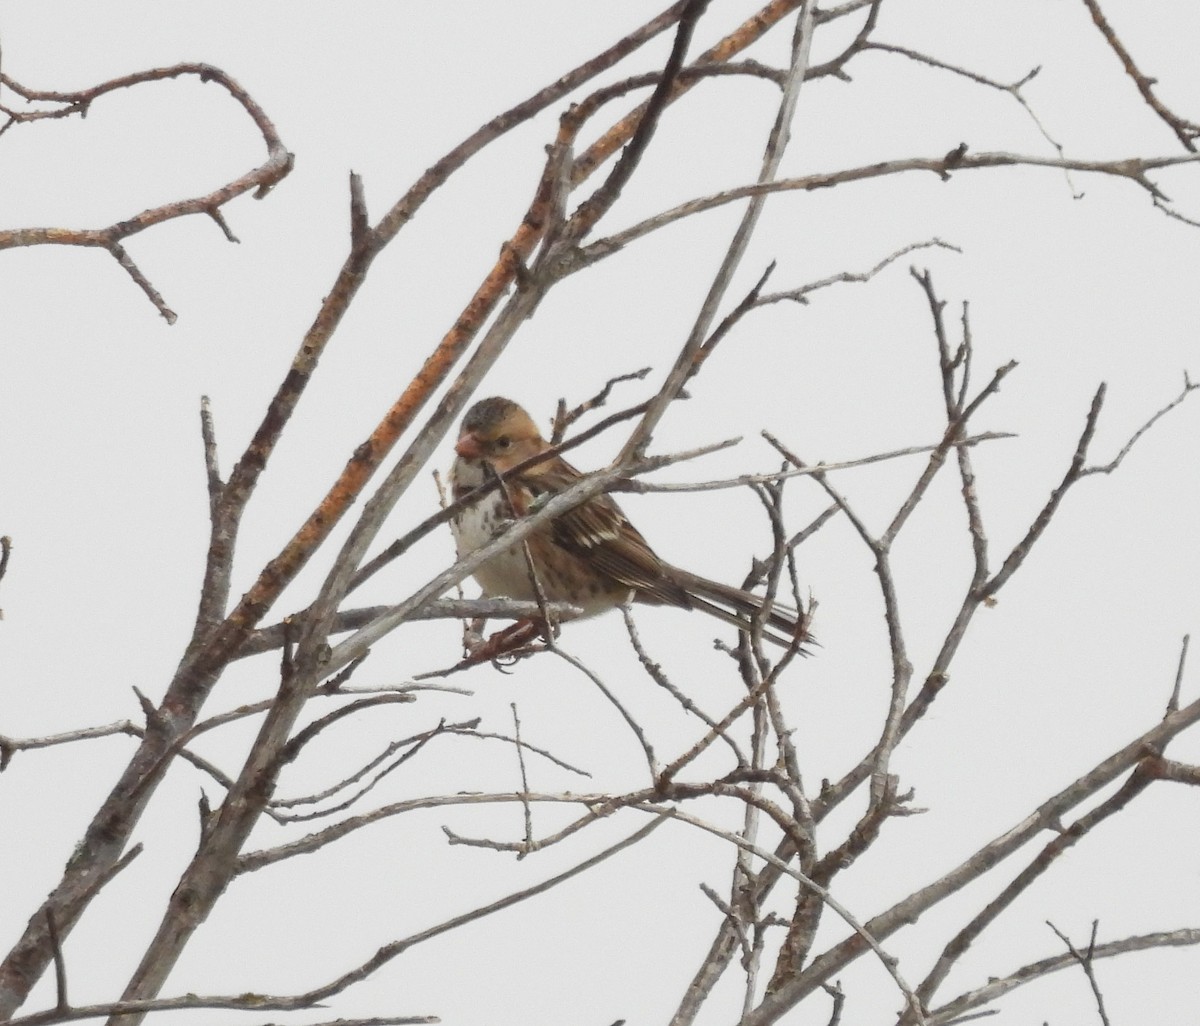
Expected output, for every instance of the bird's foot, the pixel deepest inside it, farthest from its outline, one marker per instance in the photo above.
(502, 649)
(505, 643)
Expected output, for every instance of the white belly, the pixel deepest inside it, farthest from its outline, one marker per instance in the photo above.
(506, 574)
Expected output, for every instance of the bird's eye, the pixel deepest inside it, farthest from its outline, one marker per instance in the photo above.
(503, 442)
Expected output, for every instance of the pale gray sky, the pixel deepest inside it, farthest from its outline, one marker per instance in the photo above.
(102, 484)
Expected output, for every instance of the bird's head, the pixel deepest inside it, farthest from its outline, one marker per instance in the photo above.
(499, 432)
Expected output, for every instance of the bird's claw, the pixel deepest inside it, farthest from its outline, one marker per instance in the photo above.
(505, 647)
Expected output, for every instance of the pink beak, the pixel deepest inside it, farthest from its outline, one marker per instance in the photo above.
(468, 446)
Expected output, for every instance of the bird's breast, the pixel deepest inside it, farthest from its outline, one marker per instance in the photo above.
(507, 573)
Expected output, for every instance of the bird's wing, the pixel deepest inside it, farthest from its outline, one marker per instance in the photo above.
(598, 533)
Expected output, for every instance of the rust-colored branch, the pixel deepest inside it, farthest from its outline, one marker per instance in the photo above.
(213, 645)
(601, 201)
(752, 29)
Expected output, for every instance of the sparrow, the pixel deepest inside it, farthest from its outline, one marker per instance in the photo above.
(591, 557)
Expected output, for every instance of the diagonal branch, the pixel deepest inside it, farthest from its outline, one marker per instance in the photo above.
(824, 967)
(999, 986)
(1185, 131)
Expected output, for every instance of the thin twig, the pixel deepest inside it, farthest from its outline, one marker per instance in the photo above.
(1173, 703)
(212, 466)
(390, 951)
(1135, 169)
(626, 715)
(803, 470)
(525, 806)
(60, 964)
(564, 418)
(801, 293)
(1185, 131)
(772, 158)
(655, 672)
(998, 986)
(126, 261)
(1107, 468)
(5, 553)
(1013, 89)
(1086, 961)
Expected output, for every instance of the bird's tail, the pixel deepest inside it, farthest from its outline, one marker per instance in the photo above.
(782, 624)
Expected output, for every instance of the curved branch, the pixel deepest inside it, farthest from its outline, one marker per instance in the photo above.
(260, 179)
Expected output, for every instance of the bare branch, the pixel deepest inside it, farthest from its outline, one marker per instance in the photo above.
(142, 282)
(526, 809)
(1074, 472)
(212, 466)
(390, 951)
(564, 418)
(1185, 131)
(239, 1002)
(1085, 961)
(1137, 782)
(901, 665)
(411, 748)
(802, 292)
(1133, 168)
(360, 223)
(655, 672)
(267, 639)
(822, 968)
(804, 470)
(1169, 769)
(638, 732)
(1013, 89)
(1107, 468)
(772, 157)
(9, 746)
(260, 180)
(60, 965)
(862, 933)
(1173, 703)
(999, 986)
(601, 201)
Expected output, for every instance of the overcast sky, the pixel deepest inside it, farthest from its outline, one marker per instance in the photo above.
(1078, 278)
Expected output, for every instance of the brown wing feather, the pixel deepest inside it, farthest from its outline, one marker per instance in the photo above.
(600, 533)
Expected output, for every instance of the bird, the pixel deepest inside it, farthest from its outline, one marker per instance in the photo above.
(590, 557)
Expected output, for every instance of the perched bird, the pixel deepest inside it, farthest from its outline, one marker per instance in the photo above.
(592, 556)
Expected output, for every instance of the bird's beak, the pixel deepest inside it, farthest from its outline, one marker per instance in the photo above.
(468, 446)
